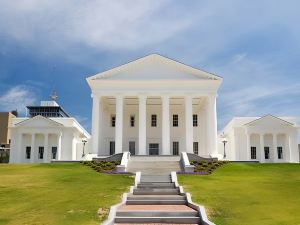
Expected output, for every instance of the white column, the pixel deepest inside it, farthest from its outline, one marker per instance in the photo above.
(262, 148)
(275, 155)
(95, 124)
(288, 148)
(189, 124)
(211, 114)
(119, 124)
(74, 148)
(21, 153)
(59, 146)
(46, 148)
(142, 125)
(32, 155)
(165, 126)
(248, 151)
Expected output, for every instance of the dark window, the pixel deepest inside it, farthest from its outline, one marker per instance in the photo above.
(253, 152)
(195, 120)
(175, 120)
(132, 147)
(153, 148)
(195, 147)
(112, 148)
(113, 120)
(279, 153)
(41, 152)
(153, 120)
(175, 148)
(28, 152)
(267, 152)
(132, 121)
(54, 152)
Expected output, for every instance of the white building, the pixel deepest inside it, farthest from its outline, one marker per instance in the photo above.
(40, 139)
(263, 139)
(154, 106)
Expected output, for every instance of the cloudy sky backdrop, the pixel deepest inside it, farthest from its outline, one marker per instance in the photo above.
(56, 44)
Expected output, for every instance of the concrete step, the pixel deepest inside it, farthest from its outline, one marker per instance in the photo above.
(157, 214)
(172, 220)
(156, 202)
(156, 185)
(155, 197)
(156, 191)
(155, 179)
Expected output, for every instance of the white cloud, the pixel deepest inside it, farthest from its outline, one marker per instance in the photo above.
(17, 97)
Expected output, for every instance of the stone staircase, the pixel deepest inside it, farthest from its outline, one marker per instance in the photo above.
(157, 200)
(155, 165)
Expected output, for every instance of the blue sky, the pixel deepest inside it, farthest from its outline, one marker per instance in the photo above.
(54, 44)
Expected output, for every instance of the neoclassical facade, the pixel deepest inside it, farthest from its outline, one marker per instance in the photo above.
(42, 140)
(264, 139)
(154, 106)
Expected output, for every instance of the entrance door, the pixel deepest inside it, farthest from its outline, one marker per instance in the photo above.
(132, 147)
(153, 149)
(111, 147)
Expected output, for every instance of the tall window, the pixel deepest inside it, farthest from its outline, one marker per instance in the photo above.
(195, 120)
(132, 120)
(267, 152)
(132, 147)
(279, 152)
(41, 152)
(175, 148)
(253, 152)
(112, 148)
(54, 152)
(113, 120)
(28, 152)
(153, 120)
(195, 147)
(175, 120)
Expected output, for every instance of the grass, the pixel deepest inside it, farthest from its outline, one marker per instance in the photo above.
(249, 194)
(57, 194)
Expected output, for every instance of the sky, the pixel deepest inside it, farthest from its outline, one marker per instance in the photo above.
(50, 45)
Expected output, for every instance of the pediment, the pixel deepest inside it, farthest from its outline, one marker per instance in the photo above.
(269, 121)
(38, 121)
(154, 67)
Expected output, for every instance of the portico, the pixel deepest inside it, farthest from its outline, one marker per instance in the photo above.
(154, 105)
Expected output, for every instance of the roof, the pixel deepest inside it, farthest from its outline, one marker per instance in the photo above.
(163, 66)
(269, 117)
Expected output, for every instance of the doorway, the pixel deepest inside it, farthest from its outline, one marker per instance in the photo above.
(153, 148)
(132, 147)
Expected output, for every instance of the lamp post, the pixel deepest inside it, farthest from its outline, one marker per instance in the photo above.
(84, 142)
(224, 143)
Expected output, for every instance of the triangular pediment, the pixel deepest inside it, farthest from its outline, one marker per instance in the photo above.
(154, 67)
(269, 121)
(38, 121)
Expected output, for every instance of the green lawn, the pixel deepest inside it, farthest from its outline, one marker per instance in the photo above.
(249, 194)
(56, 194)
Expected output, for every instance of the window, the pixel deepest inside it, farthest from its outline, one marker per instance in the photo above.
(175, 120)
(54, 152)
(132, 121)
(267, 152)
(195, 120)
(175, 148)
(153, 120)
(279, 152)
(195, 147)
(253, 152)
(28, 152)
(113, 120)
(132, 147)
(41, 152)
(111, 147)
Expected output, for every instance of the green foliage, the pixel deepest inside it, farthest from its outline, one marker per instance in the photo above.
(207, 166)
(250, 194)
(102, 165)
